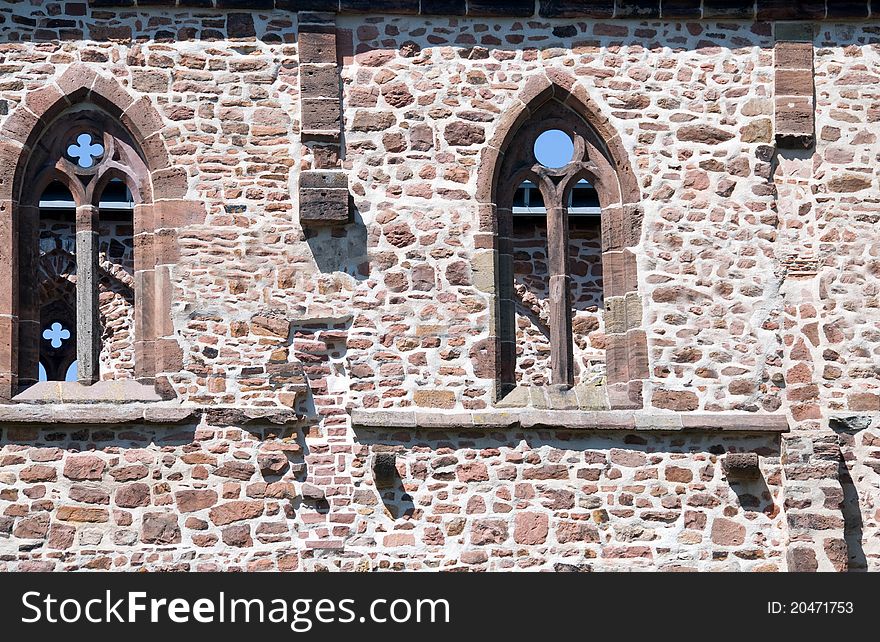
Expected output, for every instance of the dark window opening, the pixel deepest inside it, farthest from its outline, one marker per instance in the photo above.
(56, 273)
(583, 201)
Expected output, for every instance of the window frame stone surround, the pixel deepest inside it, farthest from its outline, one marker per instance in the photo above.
(610, 171)
(162, 207)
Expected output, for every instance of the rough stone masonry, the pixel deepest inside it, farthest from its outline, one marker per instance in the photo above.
(325, 339)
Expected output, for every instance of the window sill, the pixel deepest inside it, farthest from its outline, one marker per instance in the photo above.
(605, 420)
(580, 397)
(127, 402)
(107, 392)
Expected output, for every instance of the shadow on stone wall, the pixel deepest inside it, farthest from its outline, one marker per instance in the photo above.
(341, 249)
(634, 500)
(753, 494)
(856, 436)
(853, 526)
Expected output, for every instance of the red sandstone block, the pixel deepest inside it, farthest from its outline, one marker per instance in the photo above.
(142, 119)
(177, 213)
(170, 183)
(109, 94)
(399, 539)
(500, 8)
(794, 82)
(863, 401)
(406, 7)
(41, 100)
(317, 47)
(793, 55)
(76, 79)
(794, 115)
(443, 7)
(19, 126)
(787, 10)
(319, 81)
(321, 115)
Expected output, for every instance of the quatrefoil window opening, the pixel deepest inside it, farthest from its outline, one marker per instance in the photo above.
(56, 334)
(85, 151)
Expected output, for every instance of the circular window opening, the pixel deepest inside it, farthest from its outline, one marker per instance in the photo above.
(554, 149)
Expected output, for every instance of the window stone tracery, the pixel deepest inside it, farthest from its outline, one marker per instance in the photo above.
(69, 154)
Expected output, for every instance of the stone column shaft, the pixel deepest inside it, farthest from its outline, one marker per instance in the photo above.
(88, 324)
(561, 350)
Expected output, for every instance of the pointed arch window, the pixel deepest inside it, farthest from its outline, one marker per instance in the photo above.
(563, 217)
(76, 251)
(90, 212)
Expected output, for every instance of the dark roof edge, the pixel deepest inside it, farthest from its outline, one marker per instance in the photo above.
(759, 10)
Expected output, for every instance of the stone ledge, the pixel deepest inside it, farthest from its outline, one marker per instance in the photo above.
(324, 198)
(143, 413)
(569, 420)
(96, 413)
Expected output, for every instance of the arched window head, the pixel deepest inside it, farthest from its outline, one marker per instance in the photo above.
(85, 148)
(555, 149)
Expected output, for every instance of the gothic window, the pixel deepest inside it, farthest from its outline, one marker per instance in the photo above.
(90, 209)
(76, 253)
(562, 205)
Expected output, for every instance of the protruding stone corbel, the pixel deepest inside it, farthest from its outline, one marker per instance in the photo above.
(741, 465)
(324, 197)
(323, 187)
(384, 469)
(793, 81)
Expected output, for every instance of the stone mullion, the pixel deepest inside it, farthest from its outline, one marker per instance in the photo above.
(88, 325)
(561, 348)
(28, 304)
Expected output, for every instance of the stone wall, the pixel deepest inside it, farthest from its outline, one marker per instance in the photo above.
(756, 278)
(116, 298)
(196, 497)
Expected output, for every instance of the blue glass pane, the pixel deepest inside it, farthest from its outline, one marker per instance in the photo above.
(71, 373)
(554, 149)
(42, 375)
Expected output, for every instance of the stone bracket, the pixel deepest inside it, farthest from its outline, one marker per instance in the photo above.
(744, 465)
(384, 468)
(793, 82)
(324, 198)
